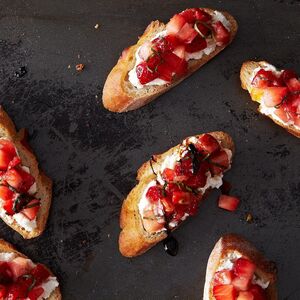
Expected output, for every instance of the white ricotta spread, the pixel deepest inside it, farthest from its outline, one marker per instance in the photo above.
(7, 256)
(211, 46)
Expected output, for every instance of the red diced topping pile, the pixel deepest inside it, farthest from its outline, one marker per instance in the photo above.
(237, 283)
(180, 194)
(164, 57)
(18, 280)
(281, 92)
(15, 183)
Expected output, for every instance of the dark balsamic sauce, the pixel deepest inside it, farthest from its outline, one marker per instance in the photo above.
(171, 245)
(22, 71)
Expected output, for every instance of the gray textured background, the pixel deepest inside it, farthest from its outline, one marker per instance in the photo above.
(92, 154)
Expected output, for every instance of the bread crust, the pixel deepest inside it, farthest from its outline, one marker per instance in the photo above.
(43, 183)
(134, 239)
(117, 99)
(246, 72)
(233, 242)
(7, 247)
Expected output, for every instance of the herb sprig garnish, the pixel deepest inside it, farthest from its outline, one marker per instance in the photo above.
(29, 276)
(152, 159)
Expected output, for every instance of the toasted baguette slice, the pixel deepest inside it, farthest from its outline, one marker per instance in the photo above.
(246, 76)
(134, 239)
(43, 183)
(7, 247)
(229, 243)
(119, 95)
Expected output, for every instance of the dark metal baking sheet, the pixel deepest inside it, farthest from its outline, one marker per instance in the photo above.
(93, 154)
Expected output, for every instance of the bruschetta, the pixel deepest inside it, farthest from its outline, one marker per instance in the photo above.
(277, 92)
(20, 278)
(170, 188)
(236, 270)
(25, 191)
(165, 55)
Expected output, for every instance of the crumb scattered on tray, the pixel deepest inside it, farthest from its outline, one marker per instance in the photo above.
(22, 71)
(96, 26)
(249, 218)
(79, 67)
(69, 66)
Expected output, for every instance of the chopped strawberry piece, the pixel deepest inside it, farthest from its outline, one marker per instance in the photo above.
(8, 207)
(224, 292)
(172, 41)
(182, 198)
(2, 291)
(272, 96)
(150, 221)
(5, 193)
(187, 33)
(6, 275)
(144, 73)
(244, 268)
(203, 29)
(228, 202)
(35, 293)
(283, 113)
(40, 273)
(161, 44)
(221, 34)
(153, 61)
(245, 296)
(241, 283)
(8, 146)
(19, 266)
(16, 291)
(223, 277)
(172, 187)
(177, 64)
(180, 51)
(14, 162)
(199, 179)
(167, 174)
(293, 84)
(265, 78)
(219, 162)
(168, 205)
(258, 292)
(184, 168)
(193, 14)
(196, 45)
(288, 74)
(175, 24)
(31, 209)
(165, 72)
(201, 15)
(207, 143)
(5, 159)
(154, 193)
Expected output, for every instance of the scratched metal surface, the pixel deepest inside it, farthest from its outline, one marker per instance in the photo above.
(92, 154)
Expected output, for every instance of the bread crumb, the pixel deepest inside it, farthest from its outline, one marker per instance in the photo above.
(78, 56)
(69, 66)
(96, 26)
(249, 218)
(79, 67)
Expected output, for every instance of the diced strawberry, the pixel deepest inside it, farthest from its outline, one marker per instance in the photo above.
(5, 159)
(221, 34)
(175, 24)
(202, 29)
(2, 291)
(19, 266)
(258, 292)
(31, 209)
(265, 78)
(154, 193)
(172, 41)
(223, 277)
(172, 187)
(218, 162)
(228, 202)
(187, 33)
(224, 292)
(183, 169)
(167, 174)
(244, 268)
(40, 273)
(201, 15)
(153, 61)
(283, 113)
(8, 147)
(5, 193)
(14, 162)
(14, 179)
(165, 72)
(180, 51)
(150, 221)
(241, 283)
(8, 207)
(207, 143)
(293, 84)
(193, 14)
(35, 293)
(273, 96)
(168, 205)
(6, 275)
(144, 73)
(288, 74)
(161, 44)
(178, 65)
(182, 198)
(199, 179)
(145, 51)
(245, 296)
(196, 45)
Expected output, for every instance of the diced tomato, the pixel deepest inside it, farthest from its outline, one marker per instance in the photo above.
(273, 96)
(203, 29)
(223, 277)
(175, 24)
(293, 84)
(258, 292)
(182, 198)
(177, 64)
(220, 33)
(14, 162)
(5, 193)
(245, 296)
(180, 51)
(31, 209)
(8, 207)
(207, 143)
(40, 273)
(244, 268)
(8, 147)
(218, 162)
(35, 293)
(5, 159)
(2, 291)
(265, 78)
(288, 74)
(193, 14)
(165, 72)
(241, 283)
(19, 266)
(154, 193)
(168, 205)
(228, 202)
(225, 187)
(224, 292)
(6, 275)
(167, 174)
(144, 73)
(196, 45)
(187, 33)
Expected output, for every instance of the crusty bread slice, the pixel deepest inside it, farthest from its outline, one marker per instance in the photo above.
(119, 95)
(134, 239)
(246, 75)
(7, 247)
(43, 183)
(266, 270)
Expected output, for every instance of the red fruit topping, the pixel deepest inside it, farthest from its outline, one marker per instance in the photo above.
(14, 162)
(5, 159)
(273, 96)
(154, 193)
(187, 33)
(35, 293)
(283, 113)
(2, 291)
(193, 14)
(16, 291)
(245, 296)
(168, 174)
(144, 73)
(40, 273)
(8, 147)
(8, 207)
(241, 283)
(19, 266)
(288, 74)
(244, 268)
(175, 24)
(221, 34)
(31, 209)
(207, 143)
(265, 78)
(172, 40)
(165, 72)
(177, 64)
(5, 193)
(196, 45)
(218, 162)
(168, 205)
(180, 51)
(182, 198)
(258, 292)
(293, 84)
(199, 179)
(223, 277)
(6, 275)
(228, 202)
(224, 292)
(161, 44)
(202, 29)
